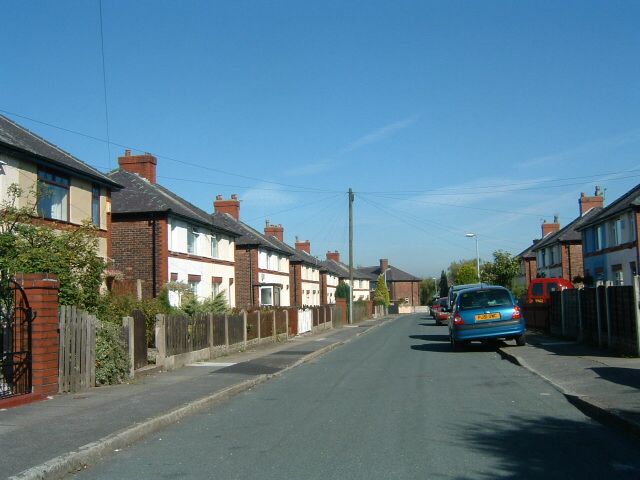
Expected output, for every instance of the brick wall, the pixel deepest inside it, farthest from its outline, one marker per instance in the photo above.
(410, 290)
(132, 246)
(246, 274)
(295, 284)
(572, 263)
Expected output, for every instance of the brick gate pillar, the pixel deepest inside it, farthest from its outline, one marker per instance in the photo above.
(41, 290)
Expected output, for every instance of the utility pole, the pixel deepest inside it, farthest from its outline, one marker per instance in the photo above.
(350, 255)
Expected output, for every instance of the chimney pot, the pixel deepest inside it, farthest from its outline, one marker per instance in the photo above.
(335, 256)
(143, 165)
(234, 196)
(274, 231)
(232, 207)
(587, 203)
(304, 246)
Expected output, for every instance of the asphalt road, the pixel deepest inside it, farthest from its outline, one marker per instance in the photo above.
(395, 403)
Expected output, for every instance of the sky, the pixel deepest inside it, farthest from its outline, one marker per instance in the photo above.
(445, 117)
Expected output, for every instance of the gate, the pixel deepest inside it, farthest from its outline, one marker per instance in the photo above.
(15, 340)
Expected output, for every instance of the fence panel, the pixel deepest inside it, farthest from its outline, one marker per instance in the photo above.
(252, 324)
(555, 313)
(622, 319)
(281, 322)
(266, 324)
(589, 315)
(293, 320)
(218, 330)
(236, 326)
(77, 353)
(140, 339)
(199, 331)
(305, 320)
(177, 334)
(315, 313)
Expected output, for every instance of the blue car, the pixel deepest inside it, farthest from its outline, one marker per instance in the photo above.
(485, 313)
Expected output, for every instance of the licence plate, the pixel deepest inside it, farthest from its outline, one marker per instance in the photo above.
(488, 316)
(538, 300)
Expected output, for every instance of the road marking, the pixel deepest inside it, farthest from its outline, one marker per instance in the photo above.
(210, 364)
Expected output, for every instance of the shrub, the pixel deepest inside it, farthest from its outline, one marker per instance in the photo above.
(112, 362)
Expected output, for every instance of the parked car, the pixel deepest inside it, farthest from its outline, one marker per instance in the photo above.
(454, 289)
(540, 289)
(443, 313)
(485, 313)
(436, 307)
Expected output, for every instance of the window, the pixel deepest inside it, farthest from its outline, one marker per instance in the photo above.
(484, 299)
(214, 246)
(633, 268)
(193, 286)
(215, 289)
(620, 229)
(262, 259)
(600, 238)
(537, 290)
(543, 258)
(192, 241)
(95, 205)
(273, 262)
(551, 256)
(552, 287)
(270, 296)
(53, 190)
(618, 276)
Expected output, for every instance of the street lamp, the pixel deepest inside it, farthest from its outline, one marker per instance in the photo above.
(435, 286)
(477, 252)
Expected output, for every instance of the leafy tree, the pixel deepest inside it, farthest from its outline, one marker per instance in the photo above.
(467, 273)
(343, 291)
(427, 291)
(444, 284)
(381, 295)
(502, 271)
(454, 269)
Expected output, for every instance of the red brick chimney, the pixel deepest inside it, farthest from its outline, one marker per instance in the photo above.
(335, 256)
(587, 203)
(231, 206)
(548, 228)
(384, 264)
(304, 246)
(143, 165)
(274, 231)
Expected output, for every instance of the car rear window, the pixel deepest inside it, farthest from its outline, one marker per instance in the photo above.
(443, 302)
(538, 289)
(551, 287)
(484, 299)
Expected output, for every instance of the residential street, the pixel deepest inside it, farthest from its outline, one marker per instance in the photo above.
(395, 403)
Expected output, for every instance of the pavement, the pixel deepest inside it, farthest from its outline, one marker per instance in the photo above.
(52, 438)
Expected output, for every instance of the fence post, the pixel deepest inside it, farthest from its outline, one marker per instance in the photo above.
(244, 328)
(598, 314)
(275, 331)
(210, 332)
(636, 309)
(286, 323)
(606, 303)
(161, 339)
(562, 320)
(127, 323)
(226, 330)
(259, 336)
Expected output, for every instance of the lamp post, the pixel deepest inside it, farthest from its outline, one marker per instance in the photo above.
(477, 252)
(435, 286)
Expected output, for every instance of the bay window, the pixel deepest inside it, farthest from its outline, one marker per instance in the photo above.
(53, 195)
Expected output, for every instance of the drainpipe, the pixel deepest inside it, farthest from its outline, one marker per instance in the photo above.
(154, 263)
(569, 260)
(250, 277)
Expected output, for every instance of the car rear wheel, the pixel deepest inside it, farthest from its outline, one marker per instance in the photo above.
(521, 340)
(455, 344)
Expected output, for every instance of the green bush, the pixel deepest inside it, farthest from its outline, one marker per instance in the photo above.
(112, 362)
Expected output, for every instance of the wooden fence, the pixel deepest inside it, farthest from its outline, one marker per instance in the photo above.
(77, 357)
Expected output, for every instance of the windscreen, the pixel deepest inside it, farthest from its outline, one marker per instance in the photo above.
(484, 299)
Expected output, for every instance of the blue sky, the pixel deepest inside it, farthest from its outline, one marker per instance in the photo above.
(444, 117)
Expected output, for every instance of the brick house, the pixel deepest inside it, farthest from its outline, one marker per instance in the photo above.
(402, 285)
(362, 280)
(304, 273)
(610, 241)
(75, 191)
(262, 262)
(160, 237)
(528, 266)
(559, 252)
(330, 276)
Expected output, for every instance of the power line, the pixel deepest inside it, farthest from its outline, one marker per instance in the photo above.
(166, 157)
(205, 182)
(104, 85)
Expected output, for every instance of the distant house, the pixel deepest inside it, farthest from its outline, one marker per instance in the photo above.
(330, 275)
(559, 252)
(610, 241)
(362, 280)
(304, 276)
(74, 192)
(262, 262)
(160, 237)
(402, 286)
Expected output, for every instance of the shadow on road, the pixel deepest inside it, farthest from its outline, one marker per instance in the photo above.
(620, 375)
(431, 338)
(433, 347)
(547, 447)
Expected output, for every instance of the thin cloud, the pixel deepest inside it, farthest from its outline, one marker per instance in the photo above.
(259, 197)
(370, 138)
(597, 146)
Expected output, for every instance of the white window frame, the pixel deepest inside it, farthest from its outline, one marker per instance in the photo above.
(215, 246)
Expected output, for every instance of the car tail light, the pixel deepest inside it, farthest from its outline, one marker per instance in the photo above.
(517, 314)
(457, 319)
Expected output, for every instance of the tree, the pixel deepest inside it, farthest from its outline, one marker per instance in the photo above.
(502, 271)
(427, 291)
(454, 269)
(381, 295)
(343, 291)
(467, 273)
(444, 284)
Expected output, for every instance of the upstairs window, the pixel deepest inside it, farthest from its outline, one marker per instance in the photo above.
(600, 237)
(95, 205)
(192, 241)
(214, 247)
(53, 195)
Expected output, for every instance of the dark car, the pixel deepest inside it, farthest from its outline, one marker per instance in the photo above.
(485, 313)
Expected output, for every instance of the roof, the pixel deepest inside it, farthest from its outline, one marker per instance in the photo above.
(625, 202)
(393, 274)
(141, 196)
(342, 270)
(569, 233)
(249, 236)
(22, 140)
(296, 255)
(528, 252)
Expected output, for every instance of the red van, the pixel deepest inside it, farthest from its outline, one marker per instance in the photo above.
(540, 289)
